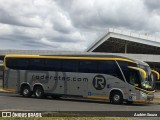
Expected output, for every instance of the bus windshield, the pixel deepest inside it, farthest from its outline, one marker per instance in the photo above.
(149, 82)
(135, 77)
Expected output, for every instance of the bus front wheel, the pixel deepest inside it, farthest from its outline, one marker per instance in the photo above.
(26, 92)
(38, 92)
(116, 97)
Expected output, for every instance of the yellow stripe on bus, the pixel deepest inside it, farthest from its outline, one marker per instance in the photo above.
(68, 57)
(136, 68)
(145, 90)
(156, 73)
(139, 101)
(97, 97)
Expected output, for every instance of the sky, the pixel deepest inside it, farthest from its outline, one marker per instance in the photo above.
(72, 25)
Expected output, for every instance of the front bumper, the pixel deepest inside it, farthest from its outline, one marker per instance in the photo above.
(141, 97)
(147, 96)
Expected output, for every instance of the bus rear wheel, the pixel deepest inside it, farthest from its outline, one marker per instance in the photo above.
(38, 92)
(26, 92)
(116, 98)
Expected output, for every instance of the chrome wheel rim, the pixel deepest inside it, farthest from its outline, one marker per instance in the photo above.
(38, 93)
(25, 91)
(116, 97)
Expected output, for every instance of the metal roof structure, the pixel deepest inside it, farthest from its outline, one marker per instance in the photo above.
(137, 46)
(118, 41)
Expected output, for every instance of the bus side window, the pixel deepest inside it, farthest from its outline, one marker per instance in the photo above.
(130, 74)
(125, 69)
(110, 68)
(22, 64)
(53, 65)
(134, 77)
(88, 66)
(11, 63)
(36, 64)
(19, 64)
(69, 65)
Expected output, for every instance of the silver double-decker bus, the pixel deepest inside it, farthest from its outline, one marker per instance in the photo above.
(88, 75)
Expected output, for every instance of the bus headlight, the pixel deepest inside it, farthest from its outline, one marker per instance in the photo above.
(144, 95)
(146, 85)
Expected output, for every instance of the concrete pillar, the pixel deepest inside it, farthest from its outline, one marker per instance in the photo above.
(126, 47)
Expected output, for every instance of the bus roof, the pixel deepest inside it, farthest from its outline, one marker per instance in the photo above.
(80, 55)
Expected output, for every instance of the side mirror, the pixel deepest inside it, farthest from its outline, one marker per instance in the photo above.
(144, 75)
(157, 74)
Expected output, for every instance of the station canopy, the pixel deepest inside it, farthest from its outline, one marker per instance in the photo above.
(117, 41)
(138, 46)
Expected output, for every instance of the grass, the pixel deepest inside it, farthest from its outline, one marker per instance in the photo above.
(67, 116)
(72, 118)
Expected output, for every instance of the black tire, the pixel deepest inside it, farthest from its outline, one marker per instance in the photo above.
(26, 92)
(38, 92)
(116, 98)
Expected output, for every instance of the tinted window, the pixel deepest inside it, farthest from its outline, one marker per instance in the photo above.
(53, 65)
(69, 65)
(110, 68)
(134, 77)
(10, 63)
(36, 64)
(125, 69)
(88, 66)
(15, 63)
(22, 63)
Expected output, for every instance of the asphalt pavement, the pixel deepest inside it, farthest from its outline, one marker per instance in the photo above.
(9, 101)
(15, 102)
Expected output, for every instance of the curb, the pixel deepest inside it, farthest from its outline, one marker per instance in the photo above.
(4, 91)
(156, 100)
